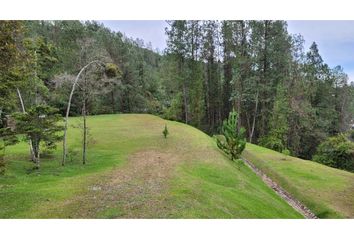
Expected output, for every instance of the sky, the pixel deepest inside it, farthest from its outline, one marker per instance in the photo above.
(335, 39)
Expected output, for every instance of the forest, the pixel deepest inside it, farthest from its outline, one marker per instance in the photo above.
(287, 98)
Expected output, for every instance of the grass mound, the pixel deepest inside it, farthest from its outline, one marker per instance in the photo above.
(134, 172)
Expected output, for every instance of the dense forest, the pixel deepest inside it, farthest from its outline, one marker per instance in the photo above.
(288, 99)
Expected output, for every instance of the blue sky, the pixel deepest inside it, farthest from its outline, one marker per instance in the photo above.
(335, 39)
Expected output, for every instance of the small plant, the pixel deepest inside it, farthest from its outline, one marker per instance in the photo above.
(165, 132)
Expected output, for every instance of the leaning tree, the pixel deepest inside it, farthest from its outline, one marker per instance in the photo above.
(109, 70)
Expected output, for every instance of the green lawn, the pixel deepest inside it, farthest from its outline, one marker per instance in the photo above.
(183, 176)
(328, 192)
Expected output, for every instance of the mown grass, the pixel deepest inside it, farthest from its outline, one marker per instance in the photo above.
(328, 192)
(204, 183)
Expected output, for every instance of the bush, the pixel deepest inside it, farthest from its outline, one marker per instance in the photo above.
(337, 152)
(286, 152)
(272, 142)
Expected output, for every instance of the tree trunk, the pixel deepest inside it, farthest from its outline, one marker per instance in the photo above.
(24, 111)
(112, 101)
(85, 135)
(254, 118)
(35, 78)
(36, 152)
(185, 103)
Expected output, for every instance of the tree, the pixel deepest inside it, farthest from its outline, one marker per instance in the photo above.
(40, 124)
(184, 51)
(212, 74)
(89, 88)
(234, 140)
(177, 47)
(276, 139)
(11, 61)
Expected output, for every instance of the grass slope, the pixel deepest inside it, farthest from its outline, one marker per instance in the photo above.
(133, 172)
(328, 192)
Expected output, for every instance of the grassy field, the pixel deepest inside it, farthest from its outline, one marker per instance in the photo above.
(328, 192)
(133, 172)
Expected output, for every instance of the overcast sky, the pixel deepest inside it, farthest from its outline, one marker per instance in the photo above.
(335, 39)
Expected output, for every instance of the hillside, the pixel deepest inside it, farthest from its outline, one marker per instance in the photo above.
(328, 192)
(133, 172)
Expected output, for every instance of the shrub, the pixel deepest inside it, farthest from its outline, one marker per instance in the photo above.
(286, 152)
(233, 141)
(165, 132)
(337, 152)
(272, 142)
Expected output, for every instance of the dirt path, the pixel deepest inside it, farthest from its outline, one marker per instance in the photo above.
(136, 190)
(297, 205)
(140, 190)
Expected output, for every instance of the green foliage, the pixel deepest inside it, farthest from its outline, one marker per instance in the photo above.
(7, 138)
(42, 57)
(337, 152)
(40, 125)
(165, 132)
(111, 70)
(272, 142)
(11, 59)
(351, 135)
(174, 109)
(234, 141)
(286, 152)
(286, 98)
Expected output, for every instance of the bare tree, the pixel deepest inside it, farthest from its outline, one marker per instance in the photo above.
(69, 104)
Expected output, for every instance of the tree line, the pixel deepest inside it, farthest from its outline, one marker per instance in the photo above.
(287, 99)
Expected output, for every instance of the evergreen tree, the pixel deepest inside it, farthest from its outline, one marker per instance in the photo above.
(11, 61)
(40, 124)
(234, 140)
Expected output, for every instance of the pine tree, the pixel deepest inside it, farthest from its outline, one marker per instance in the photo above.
(40, 124)
(165, 132)
(234, 141)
